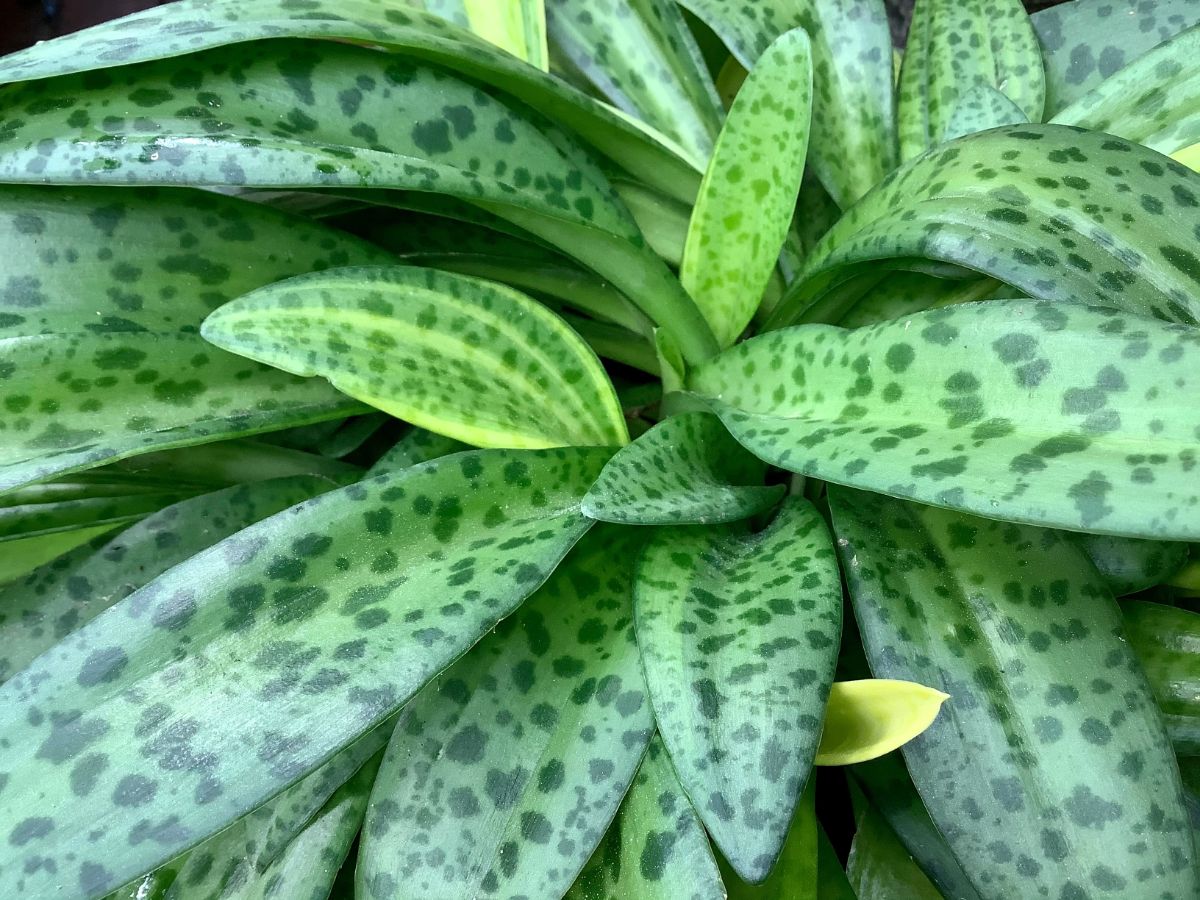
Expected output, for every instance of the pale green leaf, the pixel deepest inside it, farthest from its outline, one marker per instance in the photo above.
(504, 772)
(739, 635)
(466, 358)
(1166, 640)
(868, 718)
(980, 108)
(749, 192)
(1053, 414)
(1050, 752)
(518, 26)
(955, 45)
(685, 470)
(225, 680)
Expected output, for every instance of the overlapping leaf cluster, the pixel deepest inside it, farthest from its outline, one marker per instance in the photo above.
(463, 449)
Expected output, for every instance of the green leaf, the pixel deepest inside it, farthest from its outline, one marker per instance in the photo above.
(514, 761)
(656, 848)
(100, 301)
(881, 869)
(955, 45)
(641, 56)
(222, 682)
(518, 26)
(469, 359)
(1128, 565)
(1025, 410)
(886, 785)
(1129, 255)
(1036, 775)
(832, 882)
(416, 447)
(981, 108)
(868, 718)
(894, 295)
(315, 121)
(191, 25)
(795, 875)
(749, 192)
(1167, 641)
(1086, 41)
(1152, 101)
(685, 470)
(20, 557)
(739, 637)
(63, 596)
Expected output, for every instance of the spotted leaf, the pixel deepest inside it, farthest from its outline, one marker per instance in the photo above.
(1128, 565)
(416, 447)
(336, 116)
(739, 635)
(1167, 641)
(20, 557)
(641, 56)
(469, 359)
(1051, 752)
(685, 470)
(656, 848)
(795, 875)
(504, 772)
(100, 301)
(955, 45)
(748, 196)
(880, 868)
(63, 596)
(1084, 42)
(868, 718)
(190, 25)
(518, 26)
(980, 108)
(253, 662)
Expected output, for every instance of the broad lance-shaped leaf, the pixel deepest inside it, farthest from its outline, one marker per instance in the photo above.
(642, 57)
(954, 45)
(1152, 101)
(467, 358)
(656, 848)
(867, 718)
(504, 772)
(1128, 565)
(336, 116)
(518, 26)
(685, 470)
(981, 108)
(63, 596)
(748, 195)
(153, 727)
(1084, 42)
(191, 25)
(850, 49)
(1051, 752)
(739, 635)
(1167, 642)
(100, 300)
(977, 200)
(1061, 415)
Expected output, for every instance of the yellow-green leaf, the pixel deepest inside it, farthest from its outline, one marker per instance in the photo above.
(874, 716)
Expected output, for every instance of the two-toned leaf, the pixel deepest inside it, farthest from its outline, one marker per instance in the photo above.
(656, 848)
(955, 45)
(1047, 413)
(748, 195)
(20, 557)
(466, 358)
(518, 26)
(1129, 565)
(1051, 752)
(504, 772)
(225, 680)
(867, 718)
(981, 108)
(685, 470)
(739, 635)
(1166, 640)
(975, 202)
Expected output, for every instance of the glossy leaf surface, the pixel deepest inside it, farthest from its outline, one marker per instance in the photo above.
(977, 200)
(739, 634)
(656, 848)
(518, 26)
(466, 358)
(1167, 642)
(795, 874)
(980, 108)
(868, 718)
(1129, 565)
(1015, 624)
(685, 470)
(881, 869)
(955, 45)
(748, 195)
(1053, 414)
(149, 716)
(20, 557)
(504, 772)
